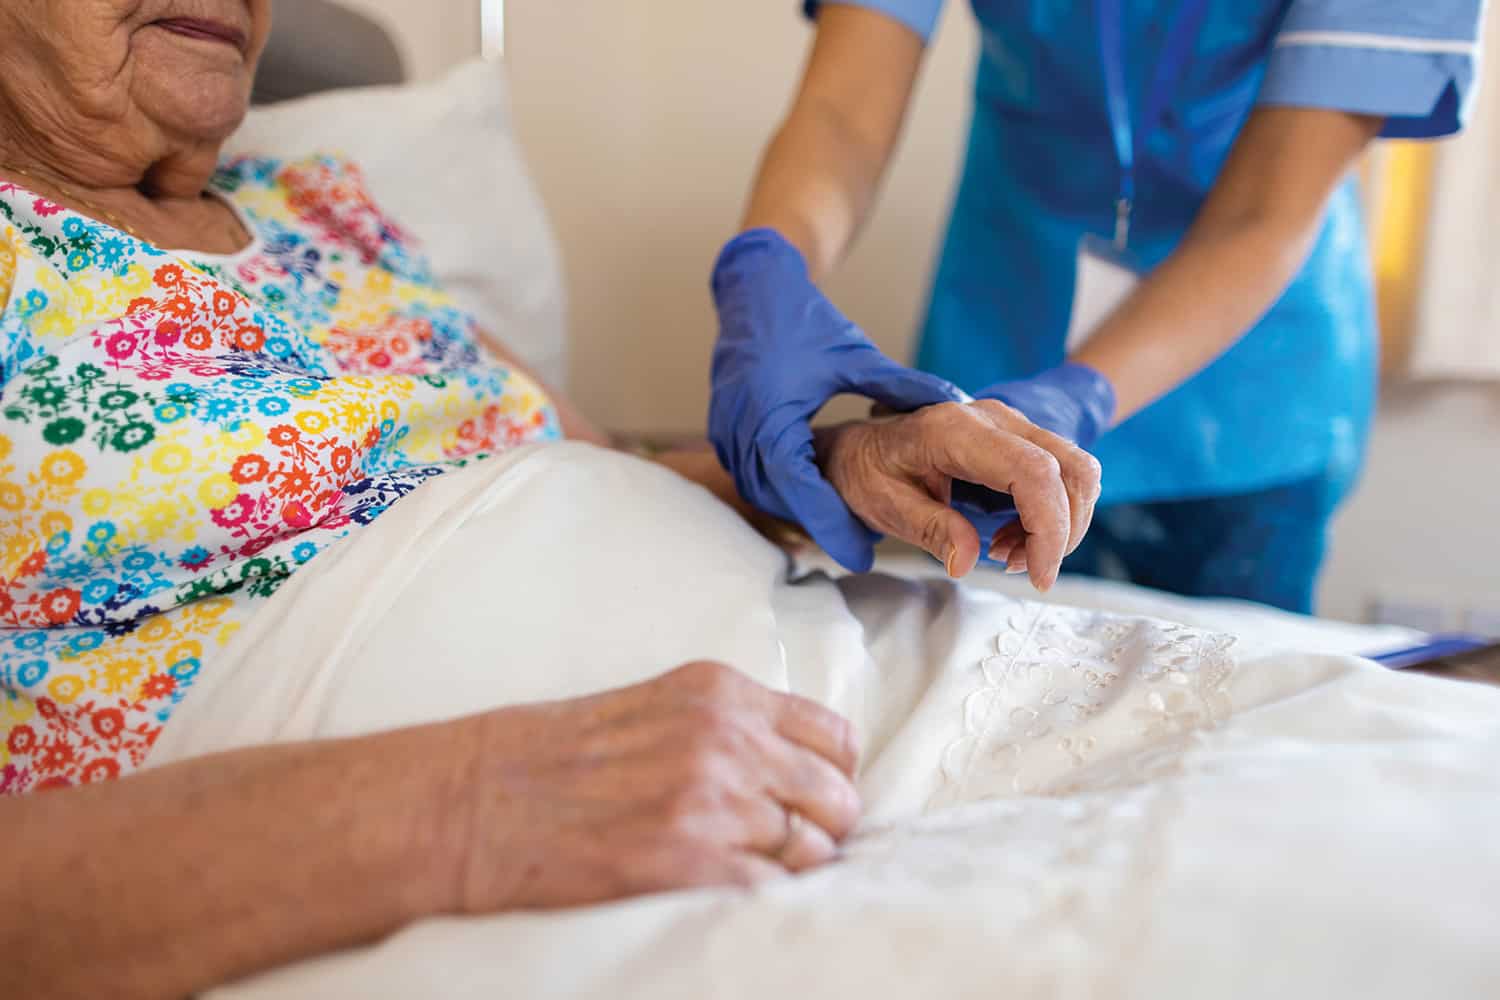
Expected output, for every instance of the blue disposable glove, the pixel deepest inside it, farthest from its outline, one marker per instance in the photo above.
(783, 352)
(1072, 401)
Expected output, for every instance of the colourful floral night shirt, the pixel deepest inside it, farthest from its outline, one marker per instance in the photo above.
(180, 432)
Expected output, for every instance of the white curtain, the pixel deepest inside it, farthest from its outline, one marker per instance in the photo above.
(1458, 322)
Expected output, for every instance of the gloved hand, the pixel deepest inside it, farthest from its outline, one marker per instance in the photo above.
(783, 352)
(1073, 401)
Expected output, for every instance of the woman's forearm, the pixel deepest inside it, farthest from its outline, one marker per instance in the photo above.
(176, 880)
(820, 175)
(1192, 309)
(1250, 240)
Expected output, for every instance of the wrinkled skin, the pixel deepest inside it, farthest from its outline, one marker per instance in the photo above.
(100, 101)
(687, 780)
(898, 476)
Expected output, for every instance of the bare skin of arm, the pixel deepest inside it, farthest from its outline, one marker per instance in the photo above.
(1251, 238)
(177, 880)
(820, 176)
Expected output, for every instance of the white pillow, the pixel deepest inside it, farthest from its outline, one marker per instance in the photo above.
(442, 159)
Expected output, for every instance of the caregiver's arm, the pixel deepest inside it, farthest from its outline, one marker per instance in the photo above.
(1252, 236)
(183, 878)
(820, 175)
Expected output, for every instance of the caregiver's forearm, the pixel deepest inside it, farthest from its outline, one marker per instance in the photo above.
(1250, 240)
(176, 880)
(821, 172)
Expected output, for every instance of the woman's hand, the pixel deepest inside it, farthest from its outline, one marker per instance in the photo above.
(698, 778)
(287, 852)
(897, 475)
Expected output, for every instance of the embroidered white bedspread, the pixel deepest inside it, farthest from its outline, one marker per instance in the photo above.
(1060, 802)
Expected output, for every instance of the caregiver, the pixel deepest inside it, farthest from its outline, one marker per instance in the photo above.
(1186, 161)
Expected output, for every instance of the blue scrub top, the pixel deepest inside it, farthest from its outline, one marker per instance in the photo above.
(1294, 398)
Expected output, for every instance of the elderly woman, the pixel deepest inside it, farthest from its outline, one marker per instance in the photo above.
(214, 373)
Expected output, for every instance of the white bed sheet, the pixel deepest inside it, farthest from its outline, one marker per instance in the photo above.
(1060, 802)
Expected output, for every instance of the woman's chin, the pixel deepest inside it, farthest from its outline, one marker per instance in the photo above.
(209, 118)
(204, 99)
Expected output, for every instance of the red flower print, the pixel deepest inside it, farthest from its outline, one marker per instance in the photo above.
(168, 332)
(61, 605)
(284, 435)
(297, 515)
(180, 306)
(255, 547)
(223, 303)
(168, 276)
(45, 208)
(158, 686)
(249, 469)
(380, 359)
(294, 482)
(372, 438)
(47, 708)
(21, 741)
(34, 564)
(12, 780)
(198, 339)
(100, 769)
(55, 755)
(108, 722)
(341, 459)
(249, 338)
(140, 305)
(120, 346)
(236, 514)
(155, 374)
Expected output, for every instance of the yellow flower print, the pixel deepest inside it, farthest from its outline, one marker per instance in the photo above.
(123, 675)
(192, 649)
(96, 502)
(248, 436)
(171, 459)
(158, 518)
(156, 629)
(63, 468)
(11, 497)
(218, 491)
(211, 609)
(65, 688)
(313, 421)
(55, 523)
(5, 447)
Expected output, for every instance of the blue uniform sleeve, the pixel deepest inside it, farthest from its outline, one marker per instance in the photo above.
(1414, 61)
(920, 16)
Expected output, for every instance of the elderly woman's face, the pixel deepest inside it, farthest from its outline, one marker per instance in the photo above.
(114, 70)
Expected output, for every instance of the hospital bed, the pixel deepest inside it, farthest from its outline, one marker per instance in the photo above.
(1216, 864)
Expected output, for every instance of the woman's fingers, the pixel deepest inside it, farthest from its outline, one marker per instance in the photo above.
(809, 785)
(806, 845)
(813, 727)
(975, 449)
(1081, 473)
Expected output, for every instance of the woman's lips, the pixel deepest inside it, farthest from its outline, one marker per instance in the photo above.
(210, 31)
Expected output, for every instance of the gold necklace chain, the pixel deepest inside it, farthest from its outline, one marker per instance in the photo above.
(103, 214)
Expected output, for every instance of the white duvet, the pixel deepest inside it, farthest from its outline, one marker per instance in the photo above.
(1060, 802)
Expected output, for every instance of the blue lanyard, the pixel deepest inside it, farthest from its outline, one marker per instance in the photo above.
(1176, 55)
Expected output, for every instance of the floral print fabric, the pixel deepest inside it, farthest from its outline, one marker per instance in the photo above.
(179, 432)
